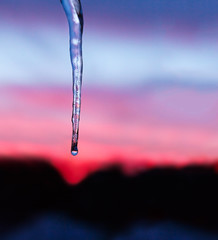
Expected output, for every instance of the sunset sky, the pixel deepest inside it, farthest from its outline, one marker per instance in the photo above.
(150, 86)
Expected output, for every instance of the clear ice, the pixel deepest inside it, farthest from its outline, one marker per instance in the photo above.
(74, 15)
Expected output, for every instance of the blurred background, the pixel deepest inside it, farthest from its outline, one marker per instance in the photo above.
(149, 101)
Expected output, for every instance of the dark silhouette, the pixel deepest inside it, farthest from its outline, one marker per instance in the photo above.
(108, 200)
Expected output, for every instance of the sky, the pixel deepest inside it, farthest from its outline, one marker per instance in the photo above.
(149, 89)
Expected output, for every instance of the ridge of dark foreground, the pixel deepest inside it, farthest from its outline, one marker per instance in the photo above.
(108, 199)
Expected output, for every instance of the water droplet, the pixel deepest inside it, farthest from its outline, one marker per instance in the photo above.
(74, 149)
(74, 153)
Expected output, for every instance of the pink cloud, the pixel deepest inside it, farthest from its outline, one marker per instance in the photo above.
(137, 130)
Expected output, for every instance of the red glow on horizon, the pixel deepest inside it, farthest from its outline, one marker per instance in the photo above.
(134, 130)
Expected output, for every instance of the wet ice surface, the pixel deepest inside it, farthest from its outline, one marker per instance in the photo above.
(74, 15)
